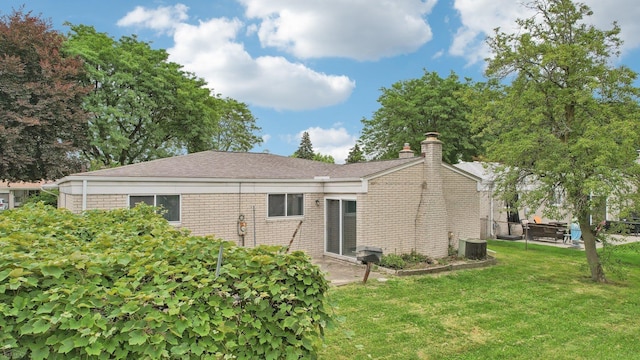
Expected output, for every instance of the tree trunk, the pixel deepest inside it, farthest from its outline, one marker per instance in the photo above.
(593, 259)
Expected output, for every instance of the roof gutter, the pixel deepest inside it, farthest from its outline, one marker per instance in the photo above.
(317, 179)
(49, 186)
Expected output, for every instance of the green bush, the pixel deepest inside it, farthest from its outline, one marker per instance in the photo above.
(392, 261)
(48, 198)
(126, 284)
(414, 258)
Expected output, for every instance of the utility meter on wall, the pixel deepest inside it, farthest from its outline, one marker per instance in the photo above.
(242, 226)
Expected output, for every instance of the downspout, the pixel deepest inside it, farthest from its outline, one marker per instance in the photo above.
(84, 195)
(241, 218)
(324, 219)
(51, 186)
(49, 192)
(492, 231)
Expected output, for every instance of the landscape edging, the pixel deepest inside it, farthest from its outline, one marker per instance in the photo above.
(490, 260)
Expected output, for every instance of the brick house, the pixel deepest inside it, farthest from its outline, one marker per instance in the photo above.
(410, 203)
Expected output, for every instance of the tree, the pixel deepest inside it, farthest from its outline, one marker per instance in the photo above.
(413, 107)
(355, 155)
(46, 197)
(305, 150)
(236, 127)
(145, 107)
(568, 121)
(324, 158)
(42, 124)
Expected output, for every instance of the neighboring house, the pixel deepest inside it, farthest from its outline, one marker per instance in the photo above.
(410, 203)
(12, 195)
(497, 217)
(492, 210)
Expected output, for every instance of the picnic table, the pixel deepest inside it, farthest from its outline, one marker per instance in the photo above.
(537, 231)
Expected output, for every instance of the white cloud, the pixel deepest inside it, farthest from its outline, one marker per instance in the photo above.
(480, 17)
(335, 141)
(625, 12)
(210, 50)
(163, 18)
(356, 29)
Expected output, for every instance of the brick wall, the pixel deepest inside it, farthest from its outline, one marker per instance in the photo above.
(217, 215)
(463, 206)
(386, 214)
(71, 202)
(106, 202)
(394, 213)
(486, 223)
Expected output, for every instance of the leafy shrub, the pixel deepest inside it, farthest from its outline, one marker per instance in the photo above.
(414, 257)
(126, 284)
(392, 261)
(405, 261)
(48, 198)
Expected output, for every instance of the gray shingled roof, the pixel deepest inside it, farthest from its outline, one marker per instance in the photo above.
(364, 169)
(245, 165)
(480, 169)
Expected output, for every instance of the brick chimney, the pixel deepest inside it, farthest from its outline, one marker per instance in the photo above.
(436, 240)
(432, 147)
(406, 152)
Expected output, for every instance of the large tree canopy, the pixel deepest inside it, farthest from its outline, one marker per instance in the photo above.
(569, 120)
(144, 107)
(42, 124)
(413, 107)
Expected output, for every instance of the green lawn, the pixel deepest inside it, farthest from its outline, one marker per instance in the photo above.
(535, 304)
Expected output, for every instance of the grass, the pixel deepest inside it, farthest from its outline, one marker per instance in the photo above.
(537, 303)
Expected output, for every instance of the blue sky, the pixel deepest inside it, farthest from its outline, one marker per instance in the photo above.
(317, 65)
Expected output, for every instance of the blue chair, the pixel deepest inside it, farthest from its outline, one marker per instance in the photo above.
(576, 233)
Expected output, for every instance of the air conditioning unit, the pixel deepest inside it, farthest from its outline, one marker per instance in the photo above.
(472, 249)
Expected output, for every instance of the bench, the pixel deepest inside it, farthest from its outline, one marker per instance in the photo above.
(624, 226)
(547, 231)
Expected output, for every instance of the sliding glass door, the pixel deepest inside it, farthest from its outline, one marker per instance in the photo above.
(340, 227)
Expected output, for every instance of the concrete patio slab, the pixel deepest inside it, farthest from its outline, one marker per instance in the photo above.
(616, 240)
(340, 272)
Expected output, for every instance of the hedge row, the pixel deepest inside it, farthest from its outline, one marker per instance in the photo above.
(125, 284)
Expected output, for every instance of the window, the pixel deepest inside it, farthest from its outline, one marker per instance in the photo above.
(170, 204)
(349, 207)
(558, 197)
(286, 205)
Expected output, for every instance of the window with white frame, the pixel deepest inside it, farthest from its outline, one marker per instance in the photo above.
(282, 205)
(169, 204)
(557, 197)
